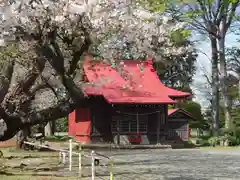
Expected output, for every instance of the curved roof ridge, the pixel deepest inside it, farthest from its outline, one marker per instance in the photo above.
(162, 87)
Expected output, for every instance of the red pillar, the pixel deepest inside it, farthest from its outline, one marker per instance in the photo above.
(71, 124)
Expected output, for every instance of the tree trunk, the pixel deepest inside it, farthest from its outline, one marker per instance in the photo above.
(224, 87)
(215, 86)
(238, 90)
(47, 129)
(50, 128)
(53, 127)
(42, 130)
(22, 136)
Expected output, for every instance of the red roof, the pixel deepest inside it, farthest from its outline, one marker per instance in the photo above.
(172, 111)
(151, 79)
(133, 86)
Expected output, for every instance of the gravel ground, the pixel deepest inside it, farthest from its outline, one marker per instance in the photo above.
(200, 164)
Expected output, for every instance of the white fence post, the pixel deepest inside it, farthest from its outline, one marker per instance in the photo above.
(64, 158)
(80, 161)
(70, 155)
(60, 156)
(80, 164)
(93, 165)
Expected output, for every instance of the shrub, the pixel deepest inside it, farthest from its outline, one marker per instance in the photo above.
(232, 135)
(188, 144)
(233, 141)
(56, 138)
(202, 142)
(213, 141)
(62, 124)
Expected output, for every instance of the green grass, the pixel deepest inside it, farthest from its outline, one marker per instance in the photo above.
(13, 152)
(10, 164)
(221, 148)
(26, 165)
(56, 138)
(29, 177)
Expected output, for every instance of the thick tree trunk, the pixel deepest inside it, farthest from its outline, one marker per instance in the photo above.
(224, 87)
(215, 87)
(22, 136)
(239, 90)
(10, 126)
(42, 130)
(22, 92)
(6, 72)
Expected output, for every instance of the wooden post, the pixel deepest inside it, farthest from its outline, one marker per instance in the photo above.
(60, 156)
(64, 158)
(137, 123)
(70, 155)
(93, 165)
(165, 116)
(158, 126)
(111, 169)
(118, 130)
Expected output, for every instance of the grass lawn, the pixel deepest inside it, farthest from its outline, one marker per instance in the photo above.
(13, 152)
(222, 148)
(17, 177)
(32, 165)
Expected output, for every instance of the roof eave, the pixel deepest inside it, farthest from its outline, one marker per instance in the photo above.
(184, 112)
(147, 103)
(181, 96)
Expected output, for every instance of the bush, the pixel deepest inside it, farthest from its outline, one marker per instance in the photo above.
(233, 141)
(213, 141)
(62, 125)
(188, 144)
(56, 138)
(202, 142)
(232, 135)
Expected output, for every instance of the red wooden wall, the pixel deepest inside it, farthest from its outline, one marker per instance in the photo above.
(79, 125)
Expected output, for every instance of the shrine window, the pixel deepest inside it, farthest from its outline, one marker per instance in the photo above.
(130, 124)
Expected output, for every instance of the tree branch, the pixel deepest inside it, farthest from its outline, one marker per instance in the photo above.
(232, 14)
(5, 78)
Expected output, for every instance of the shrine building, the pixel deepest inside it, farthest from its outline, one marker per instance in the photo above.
(128, 106)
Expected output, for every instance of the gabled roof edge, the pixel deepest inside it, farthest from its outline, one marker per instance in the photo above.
(174, 111)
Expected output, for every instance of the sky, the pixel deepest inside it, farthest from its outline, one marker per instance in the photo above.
(203, 66)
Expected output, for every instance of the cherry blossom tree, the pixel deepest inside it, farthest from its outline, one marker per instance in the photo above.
(43, 42)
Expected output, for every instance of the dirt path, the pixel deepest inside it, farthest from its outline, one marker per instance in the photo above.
(8, 143)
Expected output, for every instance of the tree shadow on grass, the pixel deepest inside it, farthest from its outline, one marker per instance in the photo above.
(29, 174)
(27, 157)
(6, 173)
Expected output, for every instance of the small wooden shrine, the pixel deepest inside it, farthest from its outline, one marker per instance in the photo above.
(127, 108)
